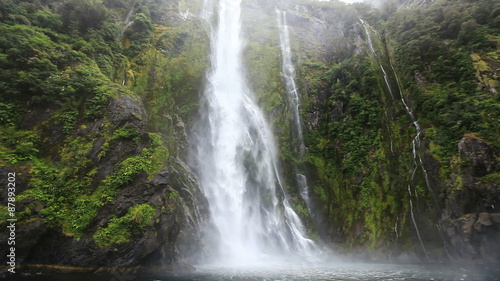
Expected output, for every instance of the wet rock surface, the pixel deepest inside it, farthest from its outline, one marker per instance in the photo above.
(173, 234)
(471, 218)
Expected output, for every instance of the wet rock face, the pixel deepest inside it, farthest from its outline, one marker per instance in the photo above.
(471, 218)
(27, 236)
(479, 157)
(171, 236)
(474, 236)
(127, 110)
(476, 195)
(193, 212)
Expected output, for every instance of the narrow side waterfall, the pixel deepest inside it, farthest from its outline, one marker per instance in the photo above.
(235, 157)
(126, 23)
(288, 73)
(417, 160)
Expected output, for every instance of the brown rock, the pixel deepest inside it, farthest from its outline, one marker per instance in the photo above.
(467, 224)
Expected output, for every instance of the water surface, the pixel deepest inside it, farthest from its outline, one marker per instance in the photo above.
(372, 272)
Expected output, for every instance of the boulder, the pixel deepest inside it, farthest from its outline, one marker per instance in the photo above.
(469, 224)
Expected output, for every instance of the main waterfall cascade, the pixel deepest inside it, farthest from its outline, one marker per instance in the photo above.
(235, 157)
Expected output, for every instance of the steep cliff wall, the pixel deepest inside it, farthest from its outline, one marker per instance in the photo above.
(95, 101)
(383, 117)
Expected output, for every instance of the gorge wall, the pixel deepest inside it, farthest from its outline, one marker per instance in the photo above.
(98, 98)
(95, 100)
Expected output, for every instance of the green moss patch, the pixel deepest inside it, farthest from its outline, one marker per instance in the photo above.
(121, 229)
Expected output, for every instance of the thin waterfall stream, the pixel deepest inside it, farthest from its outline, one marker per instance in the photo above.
(235, 157)
(126, 23)
(417, 160)
(288, 73)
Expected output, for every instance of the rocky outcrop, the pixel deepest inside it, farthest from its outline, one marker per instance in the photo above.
(164, 241)
(471, 218)
(127, 111)
(171, 236)
(474, 236)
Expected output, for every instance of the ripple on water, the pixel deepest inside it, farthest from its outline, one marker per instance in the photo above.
(348, 272)
(298, 272)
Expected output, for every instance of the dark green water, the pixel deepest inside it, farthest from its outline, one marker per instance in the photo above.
(373, 272)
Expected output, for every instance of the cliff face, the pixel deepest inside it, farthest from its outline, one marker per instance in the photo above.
(390, 105)
(97, 100)
(141, 207)
(469, 219)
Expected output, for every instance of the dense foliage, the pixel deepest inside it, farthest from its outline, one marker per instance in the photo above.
(441, 58)
(62, 62)
(454, 47)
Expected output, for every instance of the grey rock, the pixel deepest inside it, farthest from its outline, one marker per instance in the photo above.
(483, 219)
(468, 226)
(478, 155)
(127, 110)
(495, 218)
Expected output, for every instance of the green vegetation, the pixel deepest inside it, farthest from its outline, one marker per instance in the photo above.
(172, 199)
(120, 230)
(17, 146)
(360, 138)
(66, 190)
(350, 153)
(441, 43)
(62, 62)
(126, 133)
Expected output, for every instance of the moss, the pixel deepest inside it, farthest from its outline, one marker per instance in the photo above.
(492, 179)
(126, 133)
(172, 199)
(121, 229)
(150, 160)
(479, 64)
(458, 184)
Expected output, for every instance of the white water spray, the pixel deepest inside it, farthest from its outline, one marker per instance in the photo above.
(126, 23)
(288, 73)
(236, 158)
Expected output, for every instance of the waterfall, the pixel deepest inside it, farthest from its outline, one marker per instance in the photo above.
(288, 73)
(235, 156)
(126, 23)
(416, 139)
(417, 160)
